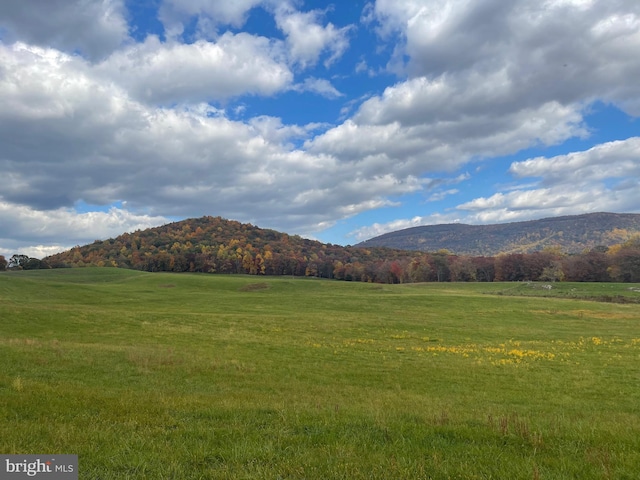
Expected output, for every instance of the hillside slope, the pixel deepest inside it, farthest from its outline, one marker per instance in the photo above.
(214, 244)
(572, 234)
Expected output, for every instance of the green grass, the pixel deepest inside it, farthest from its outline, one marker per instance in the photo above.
(602, 292)
(200, 376)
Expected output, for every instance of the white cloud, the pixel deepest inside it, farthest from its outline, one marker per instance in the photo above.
(173, 73)
(361, 66)
(526, 200)
(320, 86)
(275, 131)
(378, 229)
(489, 79)
(93, 27)
(175, 14)
(71, 134)
(543, 56)
(603, 178)
(308, 39)
(437, 196)
(404, 132)
(35, 233)
(521, 205)
(619, 159)
(130, 122)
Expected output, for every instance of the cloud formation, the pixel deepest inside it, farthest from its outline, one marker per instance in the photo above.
(217, 115)
(93, 28)
(165, 74)
(605, 178)
(38, 233)
(175, 14)
(308, 38)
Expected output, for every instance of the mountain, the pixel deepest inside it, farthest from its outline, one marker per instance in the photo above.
(572, 234)
(214, 244)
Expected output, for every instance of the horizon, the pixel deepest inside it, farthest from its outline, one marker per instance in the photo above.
(335, 122)
(363, 241)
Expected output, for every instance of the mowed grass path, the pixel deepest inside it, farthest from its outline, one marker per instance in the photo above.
(178, 376)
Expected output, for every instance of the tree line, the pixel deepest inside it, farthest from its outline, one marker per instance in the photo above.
(215, 245)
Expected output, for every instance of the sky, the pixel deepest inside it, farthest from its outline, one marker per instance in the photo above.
(334, 121)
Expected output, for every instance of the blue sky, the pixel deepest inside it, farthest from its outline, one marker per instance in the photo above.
(336, 121)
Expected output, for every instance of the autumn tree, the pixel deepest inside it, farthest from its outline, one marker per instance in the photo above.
(420, 270)
(440, 265)
(625, 261)
(534, 264)
(552, 272)
(590, 266)
(462, 269)
(510, 267)
(485, 268)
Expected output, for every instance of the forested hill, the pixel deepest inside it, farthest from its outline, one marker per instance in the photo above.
(572, 234)
(216, 245)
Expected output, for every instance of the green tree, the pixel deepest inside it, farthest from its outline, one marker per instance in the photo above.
(24, 262)
(18, 261)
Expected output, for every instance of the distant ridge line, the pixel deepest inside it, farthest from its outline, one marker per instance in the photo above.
(570, 233)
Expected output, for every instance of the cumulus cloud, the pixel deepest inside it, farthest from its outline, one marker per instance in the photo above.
(320, 86)
(134, 122)
(170, 73)
(308, 38)
(441, 144)
(515, 206)
(277, 132)
(480, 87)
(490, 79)
(76, 136)
(52, 114)
(493, 78)
(175, 14)
(35, 233)
(93, 27)
(520, 205)
(619, 159)
(602, 178)
(436, 197)
(541, 56)
(377, 229)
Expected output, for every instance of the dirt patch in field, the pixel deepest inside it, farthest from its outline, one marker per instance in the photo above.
(253, 287)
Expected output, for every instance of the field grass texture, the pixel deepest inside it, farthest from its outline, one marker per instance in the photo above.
(186, 376)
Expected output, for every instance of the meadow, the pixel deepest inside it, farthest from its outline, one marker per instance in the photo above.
(193, 376)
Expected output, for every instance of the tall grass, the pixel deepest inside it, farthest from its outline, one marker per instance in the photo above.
(194, 376)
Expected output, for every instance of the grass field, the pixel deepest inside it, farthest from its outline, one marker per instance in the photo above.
(186, 376)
